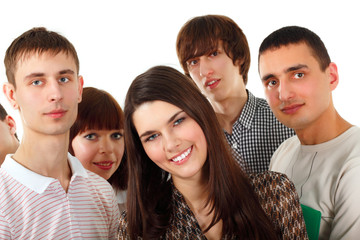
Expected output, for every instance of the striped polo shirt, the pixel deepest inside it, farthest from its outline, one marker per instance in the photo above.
(33, 206)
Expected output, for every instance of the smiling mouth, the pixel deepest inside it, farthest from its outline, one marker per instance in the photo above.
(212, 83)
(182, 156)
(104, 165)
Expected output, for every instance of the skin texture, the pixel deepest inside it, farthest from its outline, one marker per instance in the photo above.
(100, 151)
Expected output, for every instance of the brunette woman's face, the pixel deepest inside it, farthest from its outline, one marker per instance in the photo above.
(100, 151)
(171, 139)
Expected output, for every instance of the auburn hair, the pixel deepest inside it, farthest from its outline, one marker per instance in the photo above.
(99, 110)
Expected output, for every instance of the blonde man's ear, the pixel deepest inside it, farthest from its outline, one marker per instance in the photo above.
(9, 91)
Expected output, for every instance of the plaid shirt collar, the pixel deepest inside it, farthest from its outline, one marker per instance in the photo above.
(247, 114)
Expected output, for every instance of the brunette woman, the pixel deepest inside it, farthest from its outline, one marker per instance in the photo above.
(183, 181)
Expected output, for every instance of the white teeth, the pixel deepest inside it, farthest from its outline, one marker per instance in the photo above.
(212, 82)
(182, 156)
(104, 164)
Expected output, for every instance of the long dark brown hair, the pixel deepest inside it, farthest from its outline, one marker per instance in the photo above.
(149, 191)
(100, 111)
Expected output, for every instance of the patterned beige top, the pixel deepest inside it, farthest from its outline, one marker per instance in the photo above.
(276, 194)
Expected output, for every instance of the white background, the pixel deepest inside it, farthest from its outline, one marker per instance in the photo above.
(118, 40)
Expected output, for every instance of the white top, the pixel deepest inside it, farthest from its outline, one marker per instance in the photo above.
(121, 196)
(121, 200)
(33, 206)
(327, 178)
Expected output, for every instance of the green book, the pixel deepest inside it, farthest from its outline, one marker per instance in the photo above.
(312, 219)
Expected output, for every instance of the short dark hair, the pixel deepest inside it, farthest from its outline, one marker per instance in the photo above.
(100, 111)
(36, 40)
(3, 113)
(295, 35)
(201, 35)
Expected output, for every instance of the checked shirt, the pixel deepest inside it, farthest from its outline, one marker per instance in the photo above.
(256, 135)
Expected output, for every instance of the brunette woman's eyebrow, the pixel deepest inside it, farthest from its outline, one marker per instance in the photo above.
(174, 116)
(147, 133)
(150, 132)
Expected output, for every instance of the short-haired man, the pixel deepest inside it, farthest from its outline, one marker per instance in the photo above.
(214, 52)
(8, 138)
(323, 159)
(45, 193)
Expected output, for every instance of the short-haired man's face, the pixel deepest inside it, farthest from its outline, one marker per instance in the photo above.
(216, 75)
(8, 141)
(298, 92)
(47, 93)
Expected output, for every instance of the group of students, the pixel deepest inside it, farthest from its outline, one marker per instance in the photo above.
(189, 156)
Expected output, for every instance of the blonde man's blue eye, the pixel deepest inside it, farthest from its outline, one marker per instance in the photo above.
(36, 82)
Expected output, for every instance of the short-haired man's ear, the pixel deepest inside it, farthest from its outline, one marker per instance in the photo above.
(333, 75)
(9, 91)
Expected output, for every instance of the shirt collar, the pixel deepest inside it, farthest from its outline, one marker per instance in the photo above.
(247, 114)
(35, 181)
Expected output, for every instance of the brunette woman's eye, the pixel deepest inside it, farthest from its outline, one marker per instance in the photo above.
(180, 120)
(152, 137)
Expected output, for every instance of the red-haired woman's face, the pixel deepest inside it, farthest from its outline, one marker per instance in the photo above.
(100, 151)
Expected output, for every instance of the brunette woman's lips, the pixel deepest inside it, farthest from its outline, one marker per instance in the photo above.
(182, 157)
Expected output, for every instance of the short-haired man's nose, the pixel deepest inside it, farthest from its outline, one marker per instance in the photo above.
(285, 91)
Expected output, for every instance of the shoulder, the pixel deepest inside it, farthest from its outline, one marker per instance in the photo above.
(123, 233)
(273, 189)
(98, 182)
(289, 145)
(279, 200)
(270, 181)
(9, 186)
(351, 138)
(260, 103)
(284, 152)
